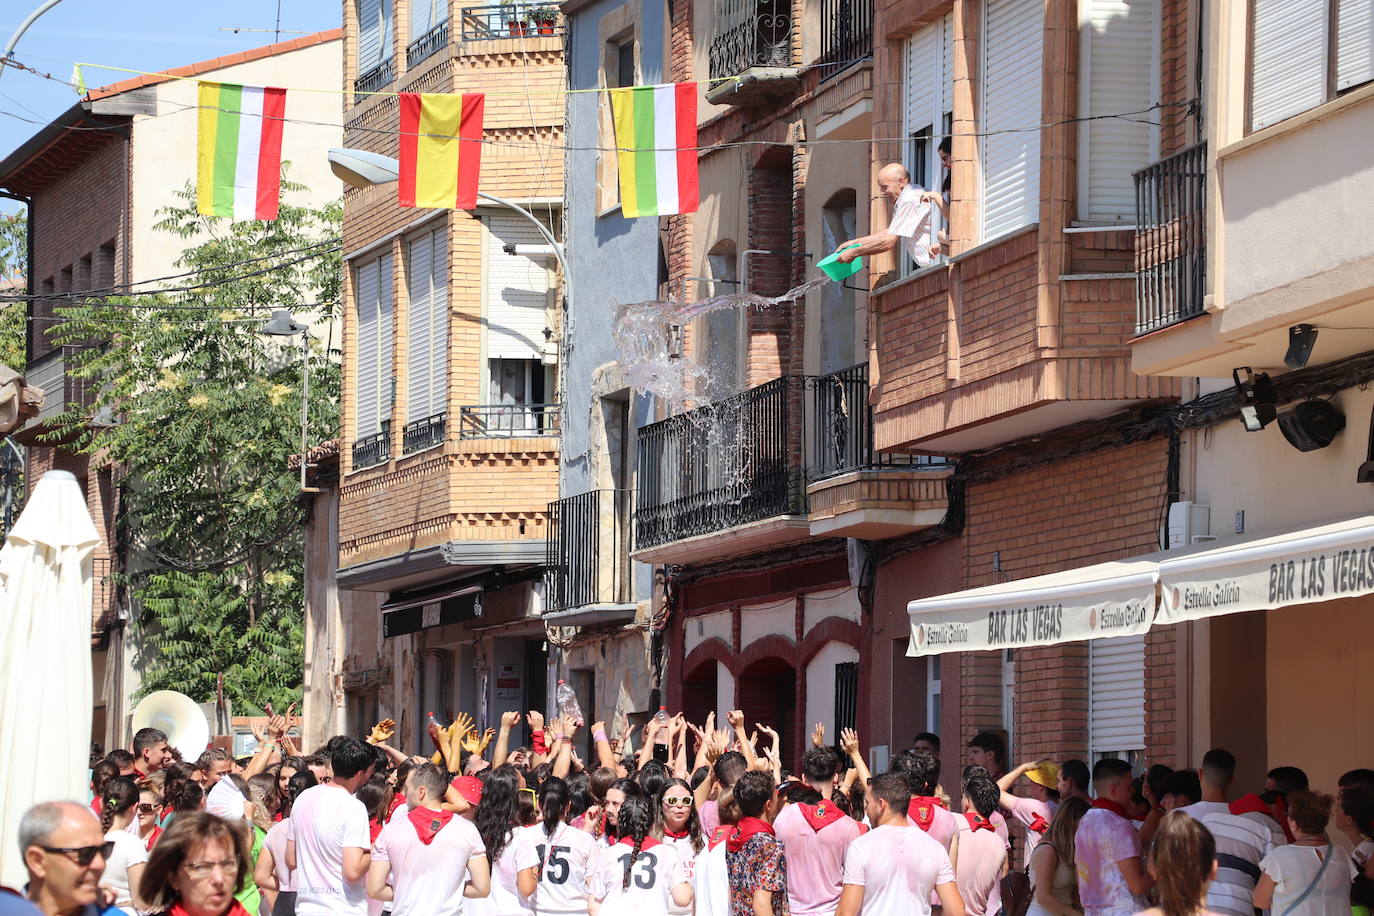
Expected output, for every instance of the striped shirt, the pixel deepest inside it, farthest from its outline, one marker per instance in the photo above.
(1242, 841)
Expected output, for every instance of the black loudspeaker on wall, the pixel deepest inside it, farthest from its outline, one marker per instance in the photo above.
(1311, 425)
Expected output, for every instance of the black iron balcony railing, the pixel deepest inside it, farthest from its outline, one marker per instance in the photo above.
(729, 463)
(372, 450)
(846, 34)
(587, 550)
(749, 33)
(1171, 239)
(423, 434)
(508, 421)
(427, 45)
(512, 20)
(379, 77)
(842, 428)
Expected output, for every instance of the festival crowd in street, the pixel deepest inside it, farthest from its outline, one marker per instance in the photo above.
(692, 820)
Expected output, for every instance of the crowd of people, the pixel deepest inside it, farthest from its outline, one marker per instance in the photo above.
(675, 819)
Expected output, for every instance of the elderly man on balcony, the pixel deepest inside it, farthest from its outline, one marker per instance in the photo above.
(911, 219)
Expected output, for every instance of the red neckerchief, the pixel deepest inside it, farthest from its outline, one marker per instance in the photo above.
(922, 810)
(1038, 824)
(1253, 804)
(179, 910)
(138, 775)
(675, 835)
(746, 828)
(374, 828)
(278, 818)
(977, 822)
(1109, 805)
(428, 822)
(649, 842)
(396, 802)
(152, 838)
(822, 814)
(720, 835)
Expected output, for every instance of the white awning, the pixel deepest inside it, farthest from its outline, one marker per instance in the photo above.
(1107, 599)
(1273, 570)
(1301, 565)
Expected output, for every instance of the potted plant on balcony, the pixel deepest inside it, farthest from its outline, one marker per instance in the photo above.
(543, 17)
(515, 26)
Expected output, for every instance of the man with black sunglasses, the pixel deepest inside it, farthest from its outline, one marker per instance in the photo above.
(65, 853)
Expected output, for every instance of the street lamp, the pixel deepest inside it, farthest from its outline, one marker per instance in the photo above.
(24, 27)
(281, 324)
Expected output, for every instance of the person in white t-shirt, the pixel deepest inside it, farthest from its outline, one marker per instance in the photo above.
(270, 871)
(123, 866)
(892, 869)
(711, 878)
(638, 875)
(428, 860)
(910, 223)
(1243, 840)
(498, 822)
(553, 857)
(1310, 877)
(679, 826)
(328, 843)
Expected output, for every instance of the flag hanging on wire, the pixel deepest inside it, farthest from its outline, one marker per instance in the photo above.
(656, 138)
(441, 149)
(238, 150)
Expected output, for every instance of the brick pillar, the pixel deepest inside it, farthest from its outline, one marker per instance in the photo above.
(964, 184)
(770, 187)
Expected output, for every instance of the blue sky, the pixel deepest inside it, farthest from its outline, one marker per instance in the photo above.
(139, 34)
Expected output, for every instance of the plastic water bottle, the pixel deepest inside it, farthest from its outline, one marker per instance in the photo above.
(661, 717)
(433, 727)
(567, 702)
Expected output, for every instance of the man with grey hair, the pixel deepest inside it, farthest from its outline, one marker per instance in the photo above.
(64, 852)
(910, 223)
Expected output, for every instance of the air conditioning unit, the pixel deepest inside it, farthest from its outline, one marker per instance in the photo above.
(1189, 523)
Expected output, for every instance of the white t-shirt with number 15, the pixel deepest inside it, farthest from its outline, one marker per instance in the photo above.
(653, 875)
(565, 859)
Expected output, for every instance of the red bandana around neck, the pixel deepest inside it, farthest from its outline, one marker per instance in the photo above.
(675, 834)
(1038, 824)
(178, 909)
(822, 814)
(746, 828)
(649, 842)
(1109, 805)
(922, 810)
(428, 822)
(720, 834)
(976, 822)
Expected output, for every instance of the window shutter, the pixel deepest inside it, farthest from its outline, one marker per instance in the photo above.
(369, 34)
(517, 291)
(420, 280)
(365, 372)
(1118, 76)
(1116, 694)
(1354, 43)
(1014, 33)
(422, 16)
(921, 58)
(1288, 59)
(438, 322)
(947, 60)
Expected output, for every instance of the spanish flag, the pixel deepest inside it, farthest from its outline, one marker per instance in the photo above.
(441, 149)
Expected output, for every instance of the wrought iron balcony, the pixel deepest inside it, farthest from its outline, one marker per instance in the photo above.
(427, 45)
(1171, 239)
(842, 428)
(727, 464)
(846, 34)
(512, 20)
(379, 77)
(748, 34)
(508, 421)
(587, 550)
(423, 434)
(372, 450)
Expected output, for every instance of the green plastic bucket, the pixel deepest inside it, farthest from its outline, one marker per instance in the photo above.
(838, 270)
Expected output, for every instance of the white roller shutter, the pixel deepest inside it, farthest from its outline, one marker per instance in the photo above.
(1116, 694)
(369, 34)
(1014, 38)
(517, 291)
(427, 327)
(1354, 43)
(1288, 59)
(372, 373)
(1118, 75)
(425, 15)
(921, 60)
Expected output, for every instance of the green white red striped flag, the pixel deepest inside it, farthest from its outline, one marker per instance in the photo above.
(238, 150)
(656, 138)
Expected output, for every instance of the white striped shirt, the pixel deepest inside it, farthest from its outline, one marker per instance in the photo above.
(1240, 836)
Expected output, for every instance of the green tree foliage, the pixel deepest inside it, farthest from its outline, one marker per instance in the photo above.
(201, 411)
(14, 245)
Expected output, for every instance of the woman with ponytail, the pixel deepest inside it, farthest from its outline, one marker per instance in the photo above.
(123, 868)
(1183, 861)
(711, 878)
(498, 819)
(553, 856)
(639, 875)
(271, 873)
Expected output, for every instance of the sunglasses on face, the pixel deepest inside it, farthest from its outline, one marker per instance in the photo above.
(673, 800)
(83, 855)
(146, 808)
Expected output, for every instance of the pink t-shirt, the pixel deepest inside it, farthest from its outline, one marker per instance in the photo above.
(709, 815)
(898, 868)
(982, 853)
(815, 860)
(1026, 810)
(1103, 839)
(942, 827)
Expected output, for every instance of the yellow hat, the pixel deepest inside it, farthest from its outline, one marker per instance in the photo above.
(1046, 774)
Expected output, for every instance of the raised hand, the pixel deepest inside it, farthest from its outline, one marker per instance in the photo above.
(736, 718)
(773, 736)
(818, 735)
(536, 720)
(509, 719)
(849, 741)
(462, 724)
(473, 745)
(598, 727)
(382, 732)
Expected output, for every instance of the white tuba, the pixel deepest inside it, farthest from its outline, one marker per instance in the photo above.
(178, 717)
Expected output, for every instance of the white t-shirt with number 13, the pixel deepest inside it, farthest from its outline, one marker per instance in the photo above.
(653, 874)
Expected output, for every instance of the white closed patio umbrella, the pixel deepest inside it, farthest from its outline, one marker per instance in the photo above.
(45, 658)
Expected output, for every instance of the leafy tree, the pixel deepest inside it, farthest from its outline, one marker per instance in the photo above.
(200, 412)
(14, 245)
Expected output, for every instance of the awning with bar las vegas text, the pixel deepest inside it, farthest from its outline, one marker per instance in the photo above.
(1273, 569)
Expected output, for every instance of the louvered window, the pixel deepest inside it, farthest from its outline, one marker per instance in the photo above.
(374, 33)
(1116, 696)
(1014, 38)
(425, 15)
(927, 86)
(1291, 66)
(427, 336)
(518, 289)
(372, 361)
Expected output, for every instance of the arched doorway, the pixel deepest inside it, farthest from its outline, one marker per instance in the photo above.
(768, 694)
(699, 692)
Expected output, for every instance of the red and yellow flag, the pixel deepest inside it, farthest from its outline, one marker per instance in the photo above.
(441, 149)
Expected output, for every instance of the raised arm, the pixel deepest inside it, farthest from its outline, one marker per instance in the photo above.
(509, 720)
(1009, 780)
(746, 747)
